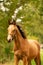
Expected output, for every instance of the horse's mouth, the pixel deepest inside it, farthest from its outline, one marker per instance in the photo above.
(9, 41)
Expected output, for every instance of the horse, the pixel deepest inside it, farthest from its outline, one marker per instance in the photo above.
(24, 49)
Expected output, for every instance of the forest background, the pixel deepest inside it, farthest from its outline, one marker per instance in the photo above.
(28, 14)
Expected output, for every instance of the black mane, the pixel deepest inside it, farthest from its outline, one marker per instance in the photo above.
(21, 31)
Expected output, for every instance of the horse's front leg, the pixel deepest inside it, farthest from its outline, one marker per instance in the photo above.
(29, 62)
(16, 60)
(24, 60)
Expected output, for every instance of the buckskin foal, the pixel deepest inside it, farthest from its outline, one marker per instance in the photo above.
(24, 49)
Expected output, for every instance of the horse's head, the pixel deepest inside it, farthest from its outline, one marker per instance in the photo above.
(11, 30)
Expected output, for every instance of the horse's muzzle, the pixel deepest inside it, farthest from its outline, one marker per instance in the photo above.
(9, 38)
(9, 41)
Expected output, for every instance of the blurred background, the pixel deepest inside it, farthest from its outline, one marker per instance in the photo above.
(29, 15)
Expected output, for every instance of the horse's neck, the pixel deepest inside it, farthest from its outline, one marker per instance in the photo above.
(18, 39)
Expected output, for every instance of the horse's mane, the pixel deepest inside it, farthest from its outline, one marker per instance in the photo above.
(21, 31)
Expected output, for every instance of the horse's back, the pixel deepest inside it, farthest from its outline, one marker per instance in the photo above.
(34, 42)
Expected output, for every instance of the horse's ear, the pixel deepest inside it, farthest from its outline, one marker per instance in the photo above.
(12, 22)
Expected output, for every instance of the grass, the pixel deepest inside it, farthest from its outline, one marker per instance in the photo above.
(21, 63)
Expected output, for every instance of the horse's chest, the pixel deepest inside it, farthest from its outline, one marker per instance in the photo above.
(19, 54)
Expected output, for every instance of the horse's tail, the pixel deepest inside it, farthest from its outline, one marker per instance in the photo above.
(40, 60)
